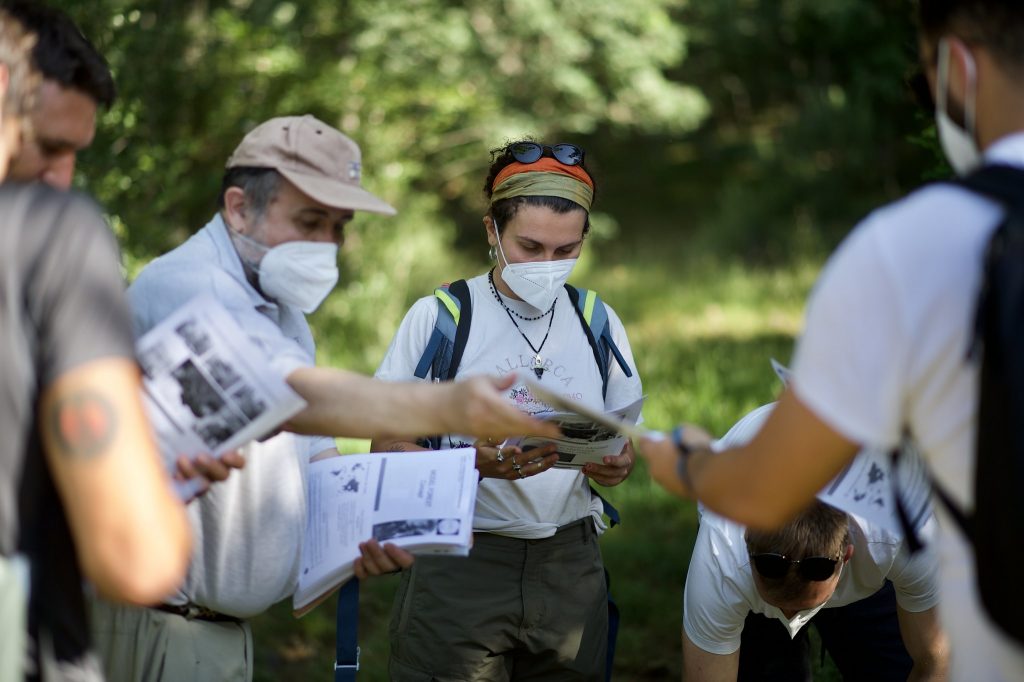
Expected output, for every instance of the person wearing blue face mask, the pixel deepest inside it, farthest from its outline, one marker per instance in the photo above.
(530, 601)
(269, 255)
(884, 351)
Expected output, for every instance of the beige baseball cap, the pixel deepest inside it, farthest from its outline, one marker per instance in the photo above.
(319, 160)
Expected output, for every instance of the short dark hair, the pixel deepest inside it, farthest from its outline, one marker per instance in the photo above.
(62, 53)
(15, 43)
(504, 210)
(996, 24)
(820, 530)
(259, 184)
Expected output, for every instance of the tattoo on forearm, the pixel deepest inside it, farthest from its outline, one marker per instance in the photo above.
(82, 424)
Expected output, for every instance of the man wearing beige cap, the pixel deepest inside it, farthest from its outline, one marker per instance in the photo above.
(269, 255)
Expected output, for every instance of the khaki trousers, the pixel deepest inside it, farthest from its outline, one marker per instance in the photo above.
(146, 645)
(514, 609)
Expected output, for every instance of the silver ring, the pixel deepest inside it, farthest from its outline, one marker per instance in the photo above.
(501, 457)
(518, 469)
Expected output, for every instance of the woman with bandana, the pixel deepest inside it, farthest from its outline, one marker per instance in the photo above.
(530, 601)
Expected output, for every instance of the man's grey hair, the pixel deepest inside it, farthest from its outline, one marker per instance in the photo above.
(260, 186)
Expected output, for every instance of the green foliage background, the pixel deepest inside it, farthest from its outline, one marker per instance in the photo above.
(753, 128)
(734, 142)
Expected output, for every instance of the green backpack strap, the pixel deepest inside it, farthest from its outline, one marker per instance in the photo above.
(594, 318)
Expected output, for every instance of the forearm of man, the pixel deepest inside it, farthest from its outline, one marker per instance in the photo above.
(704, 666)
(130, 532)
(926, 643)
(343, 403)
(768, 481)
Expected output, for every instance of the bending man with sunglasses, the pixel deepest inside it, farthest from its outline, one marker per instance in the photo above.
(750, 595)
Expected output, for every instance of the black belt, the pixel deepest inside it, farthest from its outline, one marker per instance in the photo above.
(196, 612)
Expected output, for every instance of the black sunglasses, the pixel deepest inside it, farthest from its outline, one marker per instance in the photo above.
(530, 152)
(815, 568)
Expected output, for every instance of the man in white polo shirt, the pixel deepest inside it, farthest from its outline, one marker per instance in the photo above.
(751, 595)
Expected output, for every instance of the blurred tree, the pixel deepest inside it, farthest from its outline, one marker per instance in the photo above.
(811, 124)
(427, 87)
(763, 128)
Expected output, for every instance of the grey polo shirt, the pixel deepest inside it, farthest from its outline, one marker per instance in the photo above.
(248, 529)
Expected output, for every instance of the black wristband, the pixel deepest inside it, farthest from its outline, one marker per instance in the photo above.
(684, 450)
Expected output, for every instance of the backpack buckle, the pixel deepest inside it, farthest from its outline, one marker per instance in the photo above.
(348, 666)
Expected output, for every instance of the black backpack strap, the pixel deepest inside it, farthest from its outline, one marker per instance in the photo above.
(909, 532)
(908, 525)
(346, 627)
(609, 509)
(613, 628)
(1004, 184)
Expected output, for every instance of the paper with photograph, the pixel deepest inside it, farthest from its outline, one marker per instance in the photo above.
(865, 488)
(420, 501)
(587, 435)
(207, 386)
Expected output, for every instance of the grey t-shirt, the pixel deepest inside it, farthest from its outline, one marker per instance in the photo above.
(61, 306)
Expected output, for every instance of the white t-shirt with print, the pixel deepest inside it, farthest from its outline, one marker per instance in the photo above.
(720, 589)
(536, 506)
(887, 331)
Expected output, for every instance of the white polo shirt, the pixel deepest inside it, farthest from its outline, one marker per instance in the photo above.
(720, 589)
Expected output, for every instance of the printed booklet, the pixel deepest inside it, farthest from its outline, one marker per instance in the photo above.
(207, 386)
(422, 502)
(587, 435)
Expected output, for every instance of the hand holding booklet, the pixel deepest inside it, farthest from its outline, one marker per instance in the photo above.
(420, 501)
(587, 435)
(207, 387)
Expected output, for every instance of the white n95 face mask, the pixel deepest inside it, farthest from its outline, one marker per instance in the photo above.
(538, 282)
(300, 273)
(957, 143)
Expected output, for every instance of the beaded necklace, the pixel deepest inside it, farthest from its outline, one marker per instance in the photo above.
(538, 361)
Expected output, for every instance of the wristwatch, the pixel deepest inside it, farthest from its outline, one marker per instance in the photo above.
(684, 450)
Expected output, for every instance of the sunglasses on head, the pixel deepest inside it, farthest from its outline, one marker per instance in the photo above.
(530, 152)
(814, 568)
